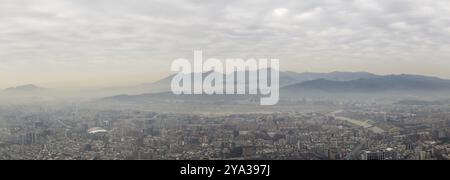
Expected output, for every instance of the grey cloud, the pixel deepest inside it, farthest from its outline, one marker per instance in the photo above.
(156, 31)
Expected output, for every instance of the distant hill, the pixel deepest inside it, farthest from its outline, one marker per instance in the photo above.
(162, 85)
(407, 83)
(24, 88)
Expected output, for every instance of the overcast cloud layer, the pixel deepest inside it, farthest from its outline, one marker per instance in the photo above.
(117, 41)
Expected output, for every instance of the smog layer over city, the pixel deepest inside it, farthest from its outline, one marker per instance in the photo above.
(318, 80)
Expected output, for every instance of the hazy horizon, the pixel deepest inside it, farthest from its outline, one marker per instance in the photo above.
(80, 85)
(100, 43)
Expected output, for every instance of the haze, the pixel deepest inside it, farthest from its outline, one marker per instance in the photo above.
(99, 43)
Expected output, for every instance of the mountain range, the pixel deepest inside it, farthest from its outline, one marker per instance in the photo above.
(286, 78)
(387, 83)
(293, 85)
(335, 83)
(340, 82)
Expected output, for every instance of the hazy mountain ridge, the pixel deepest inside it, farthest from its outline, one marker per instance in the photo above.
(378, 84)
(24, 88)
(286, 78)
(398, 86)
(292, 84)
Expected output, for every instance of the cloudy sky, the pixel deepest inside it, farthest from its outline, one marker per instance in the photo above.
(115, 42)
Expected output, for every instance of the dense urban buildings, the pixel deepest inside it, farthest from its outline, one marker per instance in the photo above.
(337, 131)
